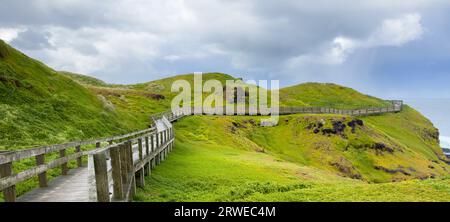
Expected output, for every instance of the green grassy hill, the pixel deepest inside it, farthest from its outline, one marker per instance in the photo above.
(232, 159)
(304, 158)
(40, 106)
(327, 95)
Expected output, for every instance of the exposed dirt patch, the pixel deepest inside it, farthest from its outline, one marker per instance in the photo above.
(394, 171)
(346, 169)
(154, 96)
(380, 148)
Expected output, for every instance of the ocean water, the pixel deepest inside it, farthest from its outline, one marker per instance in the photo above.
(438, 111)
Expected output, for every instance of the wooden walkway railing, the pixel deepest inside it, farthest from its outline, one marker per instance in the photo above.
(160, 143)
(116, 169)
(395, 106)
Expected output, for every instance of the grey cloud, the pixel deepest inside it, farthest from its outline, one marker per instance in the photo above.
(32, 39)
(135, 41)
(72, 14)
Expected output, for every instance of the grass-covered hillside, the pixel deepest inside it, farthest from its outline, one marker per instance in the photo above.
(232, 158)
(327, 95)
(40, 106)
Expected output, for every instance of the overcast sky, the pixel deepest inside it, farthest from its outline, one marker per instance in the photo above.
(392, 49)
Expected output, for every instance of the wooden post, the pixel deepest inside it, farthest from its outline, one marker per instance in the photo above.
(131, 167)
(114, 152)
(157, 159)
(148, 168)
(152, 145)
(101, 177)
(9, 194)
(140, 180)
(157, 140)
(62, 153)
(79, 159)
(164, 136)
(165, 150)
(124, 166)
(147, 148)
(140, 148)
(130, 155)
(40, 159)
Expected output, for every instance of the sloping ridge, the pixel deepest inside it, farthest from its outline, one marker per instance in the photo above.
(40, 106)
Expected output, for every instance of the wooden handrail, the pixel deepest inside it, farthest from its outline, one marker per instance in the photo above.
(396, 106)
(126, 173)
(28, 153)
(8, 179)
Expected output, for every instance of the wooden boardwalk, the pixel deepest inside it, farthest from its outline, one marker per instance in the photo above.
(115, 170)
(73, 187)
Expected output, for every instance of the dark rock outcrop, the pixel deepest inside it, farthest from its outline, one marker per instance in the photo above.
(337, 127)
(347, 171)
(155, 96)
(393, 171)
(354, 124)
(380, 148)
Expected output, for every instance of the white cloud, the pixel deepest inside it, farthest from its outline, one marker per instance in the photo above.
(396, 32)
(445, 141)
(88, 50)
(65, 58)
(9, 34)
(392, 32)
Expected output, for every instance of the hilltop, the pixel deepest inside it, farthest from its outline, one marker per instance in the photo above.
(327, 95)
(231, 158)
